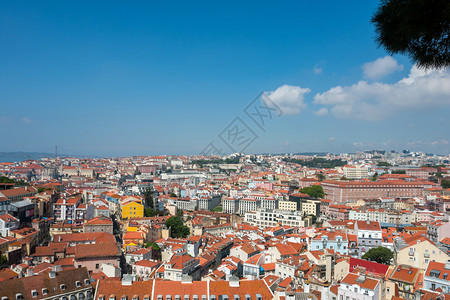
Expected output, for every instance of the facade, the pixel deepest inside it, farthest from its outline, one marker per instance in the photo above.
(287, 205)
(352, 172)
(438, 230)
(209, 202)
(66, 284)
(417, 251)
(355, 286)
(369, 236)
(187, 204)
(99, 224)
(337, 241)
(351, 191)
(132, 208)
(230, 205)
(436, 277)
(7, 223)
(248, 204)
(311, 207)
(270, 217)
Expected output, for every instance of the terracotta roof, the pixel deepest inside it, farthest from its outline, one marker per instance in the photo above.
(362, 281)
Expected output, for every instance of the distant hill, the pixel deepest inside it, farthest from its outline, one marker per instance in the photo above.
(21, 156)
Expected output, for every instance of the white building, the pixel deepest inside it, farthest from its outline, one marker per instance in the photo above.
(355, 286)
(352, 172)
(230, 205)
(436, 276)
(273, 217)
(248, 204)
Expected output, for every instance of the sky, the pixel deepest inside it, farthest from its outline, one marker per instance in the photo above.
(119, 78)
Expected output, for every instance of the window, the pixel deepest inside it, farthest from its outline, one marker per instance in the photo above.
(97, 266)
(44, 291)
(63, 287)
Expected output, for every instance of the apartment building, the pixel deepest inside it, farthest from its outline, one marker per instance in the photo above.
(353, 172)
(355, 286)
(287, 205)
(351, 191)
(369, 236)
(248, 204)
(230, 205)
(274, 217)
(436, 277)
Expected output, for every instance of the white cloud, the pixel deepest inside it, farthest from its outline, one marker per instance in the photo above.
(381, 67)
(26, 120)
(317, 70)
(321, 111)
(358, 144)
(375, 101)
(331, 138)
(290, 99)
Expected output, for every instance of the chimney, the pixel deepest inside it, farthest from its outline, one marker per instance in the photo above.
(234, 281)
(30, 272)
(447, 265)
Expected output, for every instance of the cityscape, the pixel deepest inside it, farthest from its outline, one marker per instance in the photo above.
(225, 151)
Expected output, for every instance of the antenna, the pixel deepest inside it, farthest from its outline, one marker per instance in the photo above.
(56, 151)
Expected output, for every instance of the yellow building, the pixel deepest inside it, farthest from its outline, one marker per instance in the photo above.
(132, 208)
(287, 205)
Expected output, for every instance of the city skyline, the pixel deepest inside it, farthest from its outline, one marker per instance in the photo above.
(153, 79)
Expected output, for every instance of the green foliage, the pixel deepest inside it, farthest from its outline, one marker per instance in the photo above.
(3, 260)
(375, 176)
(380, 255)
(4, 179)
(320, 177)
(318, 162)
(177, 229)
(398, 172)
(313, 219)
(148, 197)
(150, 212)
(314, 191)
(173, 195)
(445, 183)
(217, 209)
(384, 164)
(417, 28)
(153, 245)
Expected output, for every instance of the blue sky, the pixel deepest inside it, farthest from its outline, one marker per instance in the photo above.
(117, 78)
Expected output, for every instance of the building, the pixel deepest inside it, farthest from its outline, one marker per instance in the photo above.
(337, 241)
(248, 204)
(369, 236)
(99, 224)
(131, 208)
(353, 172)
(108, 289)
(311, 207)
(355, 286)
(187, 203)
(7, 223)
(406, 278)
(438, 230)
(65, 284)
(209, 202)
(178, 266)
(287, 205)
(436, 277)
(351, 191)
(230, 205)
(417, 251)
(274, 217)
